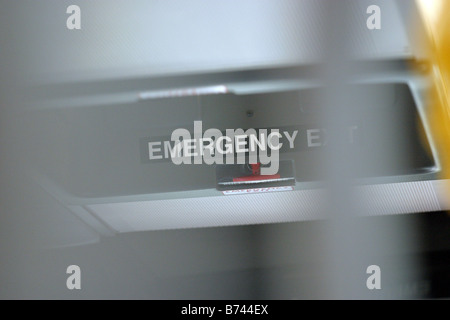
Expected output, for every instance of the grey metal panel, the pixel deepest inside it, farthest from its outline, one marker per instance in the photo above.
(127, 39)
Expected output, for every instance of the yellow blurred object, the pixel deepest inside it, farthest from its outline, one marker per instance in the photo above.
(436, 15)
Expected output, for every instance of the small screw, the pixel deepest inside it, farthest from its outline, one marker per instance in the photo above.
(249, 113)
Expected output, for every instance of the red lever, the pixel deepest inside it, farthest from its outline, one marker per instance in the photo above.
(256, 169)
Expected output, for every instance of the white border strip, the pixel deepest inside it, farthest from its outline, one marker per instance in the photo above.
(270, 207)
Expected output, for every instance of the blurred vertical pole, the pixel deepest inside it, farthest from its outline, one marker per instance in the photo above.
(336, 71)
(331, 257)
(352, 244)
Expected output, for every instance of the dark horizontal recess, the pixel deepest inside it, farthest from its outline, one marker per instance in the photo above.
(98, 151)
